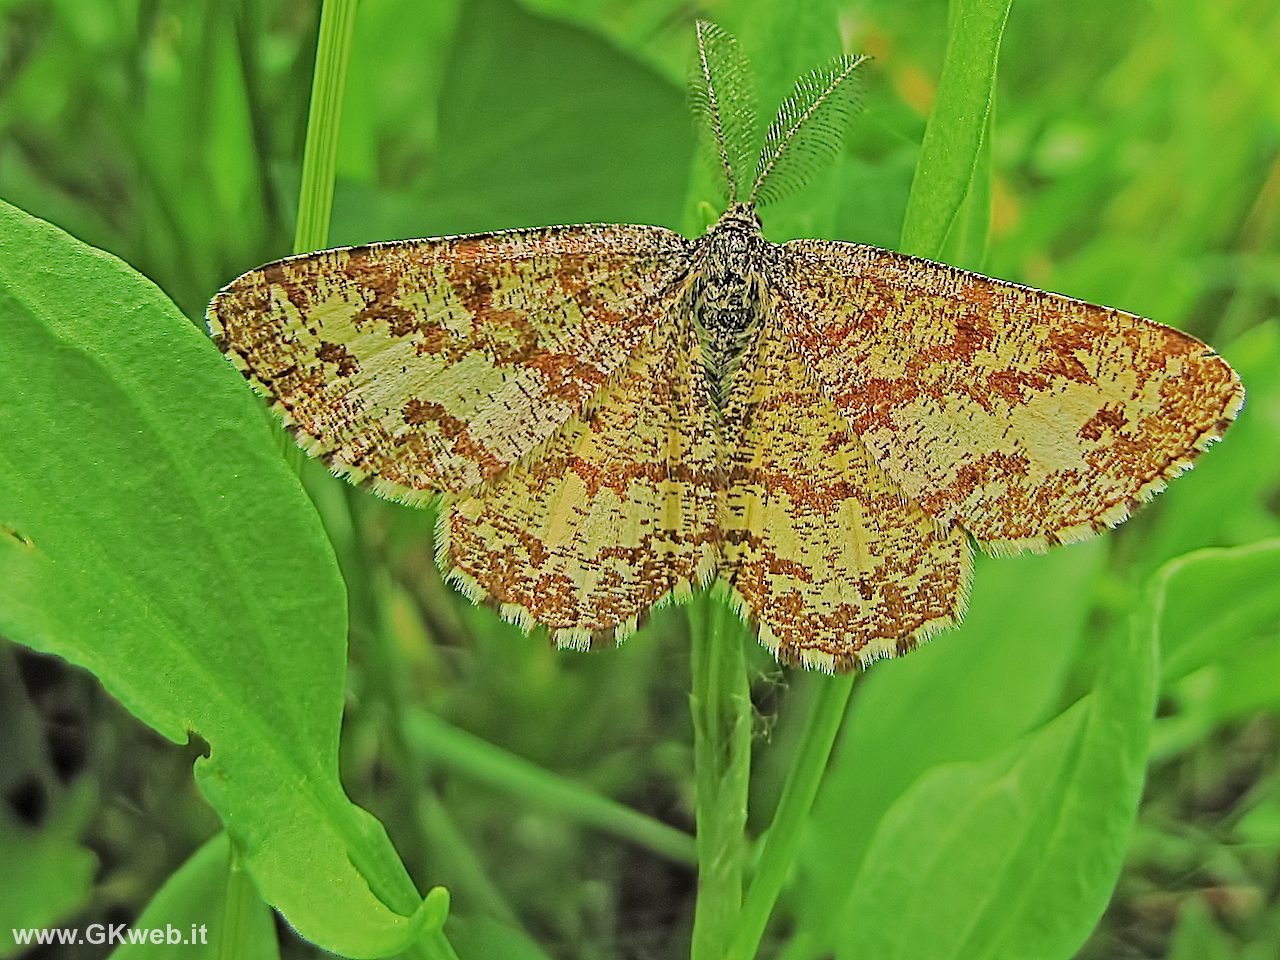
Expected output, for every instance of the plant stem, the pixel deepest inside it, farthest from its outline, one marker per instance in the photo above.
(241, 898)
(721, 707)
(430, 737)
(319, 157)
(823, 723)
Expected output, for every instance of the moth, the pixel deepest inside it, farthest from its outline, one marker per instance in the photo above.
(611, 416)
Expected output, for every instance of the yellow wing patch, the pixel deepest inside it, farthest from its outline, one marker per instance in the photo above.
(1027, 417)
(428, 365)
(826, 556)
(877, 410)
(615, 514)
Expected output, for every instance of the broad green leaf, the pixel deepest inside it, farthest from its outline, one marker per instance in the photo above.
(539, 123)
(1015, 855)
(953, 136)
(654, 31)
(783, 40)
(153, 535)
(384, 120)
(210, 904)
(964, 696)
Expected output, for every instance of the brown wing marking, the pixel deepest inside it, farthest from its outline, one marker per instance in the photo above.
(428, 365)
(614, 514)
(1027, 417)
(827, 559)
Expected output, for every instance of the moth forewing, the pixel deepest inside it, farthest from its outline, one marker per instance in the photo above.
(617, 415)
(1027, 418)
(423, 366)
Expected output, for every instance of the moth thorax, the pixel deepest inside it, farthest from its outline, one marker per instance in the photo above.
(726, 297)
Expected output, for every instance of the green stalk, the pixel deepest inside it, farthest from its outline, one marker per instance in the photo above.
(234, 937)
(779, 847)
(721, 706)
(320, 155)
(430, 737)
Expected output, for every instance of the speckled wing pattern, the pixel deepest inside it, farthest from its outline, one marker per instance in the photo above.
(428, 365)
(825, 555)
(551, 384)
(614, 515)
(1025, 417)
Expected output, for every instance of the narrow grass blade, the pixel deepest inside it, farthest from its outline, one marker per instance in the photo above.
(320, 154)
(953, 135)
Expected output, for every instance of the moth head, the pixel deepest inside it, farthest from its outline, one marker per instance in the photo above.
(742, 216)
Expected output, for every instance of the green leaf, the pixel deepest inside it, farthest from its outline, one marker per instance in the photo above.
(153, 535)
(723, 99)
(966, 244)
(540, 122)
(808, 130)
(1217, 614)
(953, 135)
(964, 696)
(1212, 601)
(1016, 855)
(213, 906)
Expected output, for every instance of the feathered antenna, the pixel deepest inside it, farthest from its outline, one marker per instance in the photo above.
(722, 95)
(808, 129)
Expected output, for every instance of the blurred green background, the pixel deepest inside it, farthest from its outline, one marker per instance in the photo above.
(1135, 161)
